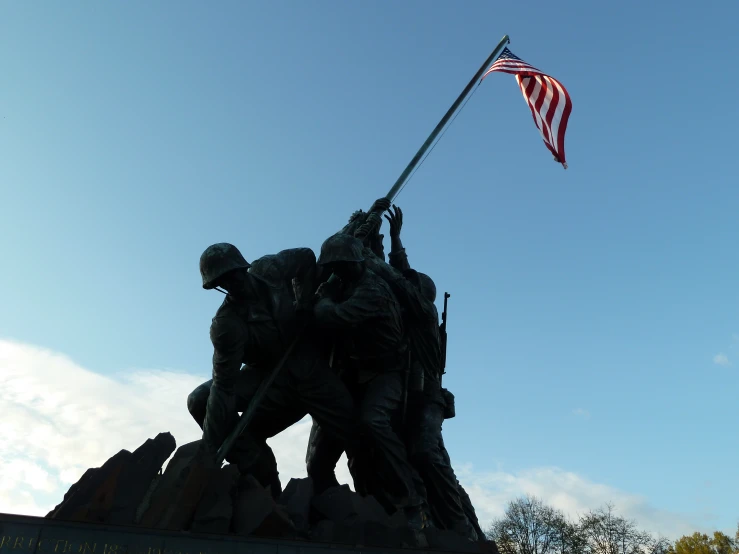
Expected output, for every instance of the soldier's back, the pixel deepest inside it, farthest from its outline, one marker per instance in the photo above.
(379, 326)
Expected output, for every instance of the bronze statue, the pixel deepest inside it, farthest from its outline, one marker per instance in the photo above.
(368, 371)
(257, 321)
(362, 309)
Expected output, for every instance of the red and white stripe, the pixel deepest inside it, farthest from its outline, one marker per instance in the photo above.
(548, 100)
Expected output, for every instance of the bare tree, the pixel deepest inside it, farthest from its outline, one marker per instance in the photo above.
(571, 540)
(531, 527)
(604, 532)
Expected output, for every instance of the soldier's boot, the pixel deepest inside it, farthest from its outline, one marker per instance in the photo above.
(418, 517)
(469, 512)
(323, 478)
(257, 460)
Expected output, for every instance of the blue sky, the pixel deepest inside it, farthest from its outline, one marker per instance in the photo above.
(590, 308)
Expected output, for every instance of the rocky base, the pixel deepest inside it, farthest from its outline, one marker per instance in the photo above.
(192, 495)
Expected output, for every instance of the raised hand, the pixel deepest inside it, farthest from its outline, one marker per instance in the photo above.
(395, 218)
(381, 205)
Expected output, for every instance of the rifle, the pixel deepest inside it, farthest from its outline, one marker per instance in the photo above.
(248, 414)
(442, 332)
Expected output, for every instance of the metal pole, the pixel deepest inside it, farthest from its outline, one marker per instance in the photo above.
(444, 120)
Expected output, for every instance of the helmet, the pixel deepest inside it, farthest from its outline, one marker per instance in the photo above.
(423, 282)
(428, 287)
(341, 248)
(219, 259)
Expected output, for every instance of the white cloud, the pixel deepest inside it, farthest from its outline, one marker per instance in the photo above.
(58, 419)
(581, 412)
(571, 493)
(721, 359)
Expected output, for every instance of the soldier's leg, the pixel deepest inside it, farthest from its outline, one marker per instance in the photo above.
(220, 413)
(324, 451)
(245, 388)
(323, 395)
(469, 509)
(276, 412)
(469, 512)
(197, 402)
(386, 486)
(381, 400)
(251, 453)
(314, 429)
(437, 474)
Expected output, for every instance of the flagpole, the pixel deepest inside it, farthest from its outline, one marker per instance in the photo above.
(444, 120)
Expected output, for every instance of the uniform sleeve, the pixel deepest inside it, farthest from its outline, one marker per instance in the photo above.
(399, 260)
(378, 266)
(407, 293)
(360, 307)
(229, 342)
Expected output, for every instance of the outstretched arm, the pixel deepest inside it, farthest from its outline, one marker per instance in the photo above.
(410, 295)
(361, 306)
(228, 338)
(398, 257)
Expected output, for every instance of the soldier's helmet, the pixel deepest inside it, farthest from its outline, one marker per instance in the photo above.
(219, 259)
(424, 283)
(340, 248)
(428, 287)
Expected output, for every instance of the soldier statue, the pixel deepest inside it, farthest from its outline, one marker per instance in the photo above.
(258, 320)
(362, 310)
(377, 397)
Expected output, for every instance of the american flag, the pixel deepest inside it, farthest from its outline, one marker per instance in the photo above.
(548, 100)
